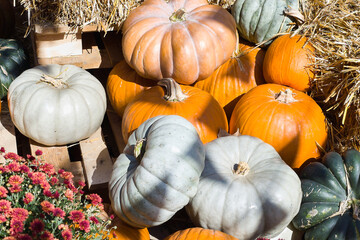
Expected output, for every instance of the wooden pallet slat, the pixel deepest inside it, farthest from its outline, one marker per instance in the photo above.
(97, 163)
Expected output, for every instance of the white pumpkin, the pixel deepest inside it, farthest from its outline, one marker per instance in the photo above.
(56, 104)
(246, 189)
(158, 172)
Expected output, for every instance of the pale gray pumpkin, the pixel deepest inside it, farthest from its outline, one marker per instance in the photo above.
(57, 104)
(259, 20)
(158, 172)
(246, 189)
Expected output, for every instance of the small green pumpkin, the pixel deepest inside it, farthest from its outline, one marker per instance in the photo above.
(262, 19)
(330, 207)
(12, 63)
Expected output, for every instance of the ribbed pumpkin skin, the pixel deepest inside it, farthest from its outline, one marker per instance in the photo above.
(148, 189)
(326, 186)
(245, 190)
(186, 50)
(199, 234)
(200, 108)
(260, 20)
(292, 129)
(287, 62)
(236, 76)
(123, 84)
(7, 19)
(12, 63)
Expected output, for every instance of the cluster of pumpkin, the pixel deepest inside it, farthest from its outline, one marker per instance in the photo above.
(191, 71)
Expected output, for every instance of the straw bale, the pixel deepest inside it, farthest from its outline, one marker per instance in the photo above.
(333, 28)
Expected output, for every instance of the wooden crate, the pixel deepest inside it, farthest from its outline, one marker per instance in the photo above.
(87, 48)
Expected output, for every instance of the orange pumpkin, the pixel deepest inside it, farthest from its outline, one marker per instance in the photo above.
(121, 230)
(123, 84)
(199, 234)
(289, 120)
(287, 62)
(236, 76)
(194, 104)
(181, 39)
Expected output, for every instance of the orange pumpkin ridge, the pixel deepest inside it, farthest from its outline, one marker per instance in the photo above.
(195, 105)
(288, 62)
(199, 234)
(123, 84)
(287, 119)
(238, 75)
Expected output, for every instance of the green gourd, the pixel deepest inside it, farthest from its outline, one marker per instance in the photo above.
(12, 63)
(330, 207)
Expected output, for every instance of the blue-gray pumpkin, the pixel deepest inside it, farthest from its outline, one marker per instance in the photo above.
(260, 20)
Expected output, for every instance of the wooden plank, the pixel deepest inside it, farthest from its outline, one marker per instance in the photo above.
(112, 42)
(59, 157)
(58, 44)
(7, 130)
(91, 58)
(115, 123)
(60, 28)
(97, 163)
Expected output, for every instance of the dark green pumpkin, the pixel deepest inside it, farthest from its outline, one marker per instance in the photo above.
(7, 19)
(330, 207)
(261, 19)
(12, 63)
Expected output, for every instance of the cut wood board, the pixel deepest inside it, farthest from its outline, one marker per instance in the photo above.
(96, 160)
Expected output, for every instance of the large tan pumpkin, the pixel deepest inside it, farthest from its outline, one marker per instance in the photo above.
(197, 233)
(181, 39)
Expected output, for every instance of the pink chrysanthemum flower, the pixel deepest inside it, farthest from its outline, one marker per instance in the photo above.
(29, 197)
(15, 180)
(3, 192)
(58, 212)
(94, 219)
(94, 198)
(48, 169)
(54, 180)
(56, 195)
(76, 216)
(47, 206)
(15, 188)
(12, 156)
(19, 214)
(5, 206)
(67, 234)
(38, 178)
(67, 175)
(24, 168)
(23, 237)
(47, 236)
(16, 226)
(2, 218)
(69, 194)
(37, 225)
(14, 166)
(84, 225)
(38, 152)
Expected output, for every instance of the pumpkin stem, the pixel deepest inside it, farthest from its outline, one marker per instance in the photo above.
(54, 81)
(178, 15)
(241, 168)
(286, 96)
(138, 149)
(173, 91)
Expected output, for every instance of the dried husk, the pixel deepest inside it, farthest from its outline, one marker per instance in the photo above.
(333, 28)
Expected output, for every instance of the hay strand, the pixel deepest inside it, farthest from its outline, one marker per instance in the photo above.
(333, 28)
